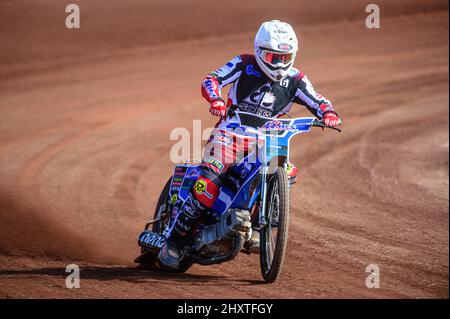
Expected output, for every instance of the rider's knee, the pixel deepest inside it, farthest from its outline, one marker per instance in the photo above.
(292, 173)
(206, 190)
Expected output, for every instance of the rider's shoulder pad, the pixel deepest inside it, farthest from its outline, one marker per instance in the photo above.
(295, 73)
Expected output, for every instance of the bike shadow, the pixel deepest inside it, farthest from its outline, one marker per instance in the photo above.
(124, 273)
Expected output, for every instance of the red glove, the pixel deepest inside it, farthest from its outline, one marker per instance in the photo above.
(330, 118)
(218, 108)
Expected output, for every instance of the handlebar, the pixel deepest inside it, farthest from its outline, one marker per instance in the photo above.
(317, 123)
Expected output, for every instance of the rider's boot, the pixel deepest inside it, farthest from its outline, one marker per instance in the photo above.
(252, 245)
(181, 233)
(170, 256)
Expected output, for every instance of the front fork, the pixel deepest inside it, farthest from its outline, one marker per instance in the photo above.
(264, 186)
(264, 170)
(262, 207)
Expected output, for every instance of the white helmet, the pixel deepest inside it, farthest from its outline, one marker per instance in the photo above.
(275, 48)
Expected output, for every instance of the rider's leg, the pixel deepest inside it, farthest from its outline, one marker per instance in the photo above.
(196, 206)
(200, 201)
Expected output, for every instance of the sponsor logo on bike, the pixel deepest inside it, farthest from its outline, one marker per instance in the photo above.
(180, 169)
(192, 172)
(177, 181)
(178, 176)
(187, 185)
(153, 240)
(190, 209)
(175, 210)
(278, 126)
(236, 181)
(245, 169)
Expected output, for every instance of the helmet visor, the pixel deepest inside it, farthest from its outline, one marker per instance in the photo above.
(275, 58)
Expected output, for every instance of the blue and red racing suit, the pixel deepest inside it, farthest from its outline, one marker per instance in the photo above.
(251, 91)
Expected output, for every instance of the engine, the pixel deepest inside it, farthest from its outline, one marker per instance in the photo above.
(218, 239)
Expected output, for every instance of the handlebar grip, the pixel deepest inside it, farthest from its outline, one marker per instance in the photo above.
(319, 123)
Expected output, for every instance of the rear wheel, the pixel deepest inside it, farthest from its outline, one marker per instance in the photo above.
(273, 237)
(162, 208)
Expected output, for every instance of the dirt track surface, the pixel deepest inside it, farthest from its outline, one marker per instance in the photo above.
(84, 147)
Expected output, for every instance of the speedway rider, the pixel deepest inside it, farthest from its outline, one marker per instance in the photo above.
(266, 84)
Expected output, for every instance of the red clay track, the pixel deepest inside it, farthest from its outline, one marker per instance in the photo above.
(84, 146)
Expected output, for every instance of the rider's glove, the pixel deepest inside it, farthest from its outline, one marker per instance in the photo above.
(330, 118)
(218, 108)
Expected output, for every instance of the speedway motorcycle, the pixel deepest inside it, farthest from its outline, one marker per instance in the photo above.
(260, 204)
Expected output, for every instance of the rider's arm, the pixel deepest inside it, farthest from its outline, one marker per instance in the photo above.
(307, 96)
(216, 80)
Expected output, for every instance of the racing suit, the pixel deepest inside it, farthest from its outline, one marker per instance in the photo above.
(251, 91)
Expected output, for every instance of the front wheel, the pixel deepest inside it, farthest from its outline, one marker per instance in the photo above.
(273, 237)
